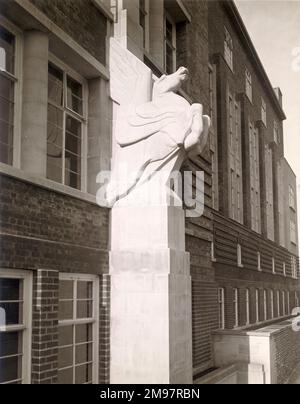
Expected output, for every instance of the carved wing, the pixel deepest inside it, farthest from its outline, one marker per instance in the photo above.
(130, 79)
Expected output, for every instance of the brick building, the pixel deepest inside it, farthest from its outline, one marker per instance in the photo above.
(56, 136)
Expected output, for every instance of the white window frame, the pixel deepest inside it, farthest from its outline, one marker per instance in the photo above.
(265, 305)
(292, 197)
(94, 320)
(67, 70)
(293, 232)
(264, 112)
(18, 80)
(284, 268)
(257, 306)
(273, 266)
(236, 307)
(248, 85)
(228, 48)
(248, 307)
(272, 304)
(221, 304)
(259, 262)
(168, 17)
(26, 326)
(239, 256)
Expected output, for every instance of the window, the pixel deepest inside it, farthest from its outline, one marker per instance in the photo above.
(283, 304)
(236, 307)
(259, 261)
(78, 329)
(257, 305)
(213, 135)
(247, 306)
(293, 232)
(228, 48)
(235, 155)
(292, 198)
(288, 303)
(170, 45)
(269, 192)
(278, 304)
(144, 22)
(248, 84)
(221, 302)
(264, 111)
(284, 268)
(265, 305)
(10, 94)
(66, 128)
(273, 266)
(272, 304)
(294, 267)
(276, 132)
(213, 257)
(254, 178)
(15, 331)
(239, 256)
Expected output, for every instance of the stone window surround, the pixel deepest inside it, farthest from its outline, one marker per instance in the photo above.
(87, 65)
(26, 327)
(18, 88)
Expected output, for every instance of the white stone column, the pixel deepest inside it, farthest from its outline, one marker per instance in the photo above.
(35, 99)
(151, 330)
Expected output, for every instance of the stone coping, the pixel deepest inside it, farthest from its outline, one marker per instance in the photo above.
(263, 331)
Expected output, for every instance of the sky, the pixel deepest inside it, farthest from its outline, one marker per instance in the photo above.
(274, 26)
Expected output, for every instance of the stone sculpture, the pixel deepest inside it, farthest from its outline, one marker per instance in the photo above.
(155, 128)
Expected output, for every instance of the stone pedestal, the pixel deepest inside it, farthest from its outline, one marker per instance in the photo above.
(151, 331)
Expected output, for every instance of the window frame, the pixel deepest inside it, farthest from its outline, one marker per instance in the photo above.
(173, 45)
(265, 293)
(228, 48)
(248, 306)
(146, 30)
(292, 197)
(94, 320)
(293, 232)
(221, 306)
(26, 326)
(236, 307)
(248, 85)
(17, 77)
(264, 112)
(257, 311)
(69, 72)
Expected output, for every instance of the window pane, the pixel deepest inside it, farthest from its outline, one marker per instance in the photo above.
(83, 374)
(72, 180)
(7, 51)
(73, 163)
(73, 144)
(54, 144)
(74, 96)
(10, 369)
(84, 333)
(66, 289)
(13, 313)
(10, 343)
(11, 289)
(65, 357)
(55, 85)
(66, 310)
(84, 353)
(73, 126)
(65, 376)
(84, 309)
(85, 290)
(65, 336)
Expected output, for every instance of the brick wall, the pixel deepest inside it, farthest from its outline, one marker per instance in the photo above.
(81, 20)
(286, 353)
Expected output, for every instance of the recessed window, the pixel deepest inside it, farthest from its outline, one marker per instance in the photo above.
(248, 78)
(257, 305)
(254, 178)
(273, 266)
(278, 304)
(78, 329)
(228, 48)
(239, 256)
(66, 128)
(265, 305)
(15, 327)
(293, 232)
(276, 132)
(170, 45)
(144, 22)
(213, 136)
(236, 307)
(272, 303)
(292, 197)
(221, 303)
(264, 111)
(284, 268)
(294, 267)
(259, 261)
(9, 95)
(283, 303)
(247, 306)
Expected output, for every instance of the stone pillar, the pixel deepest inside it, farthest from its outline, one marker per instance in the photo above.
(99, 131)
(45, 327)
(151, 329)
(35, 99)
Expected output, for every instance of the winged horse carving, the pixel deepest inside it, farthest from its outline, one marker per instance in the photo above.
(154, 129)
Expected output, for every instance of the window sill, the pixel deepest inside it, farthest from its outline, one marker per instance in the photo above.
(18, 174)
